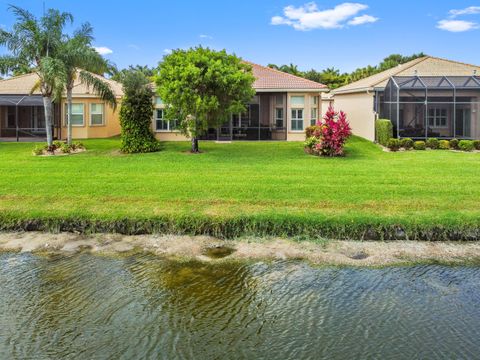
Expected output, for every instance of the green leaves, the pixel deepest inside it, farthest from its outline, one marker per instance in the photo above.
(208, 85)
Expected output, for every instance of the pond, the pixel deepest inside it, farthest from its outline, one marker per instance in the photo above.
(87, 306)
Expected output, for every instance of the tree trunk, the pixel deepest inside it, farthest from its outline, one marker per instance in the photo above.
(47, 105)
(195, 145)
(69, 116)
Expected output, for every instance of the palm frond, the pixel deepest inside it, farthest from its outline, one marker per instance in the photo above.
(85, 32)
(100, 87)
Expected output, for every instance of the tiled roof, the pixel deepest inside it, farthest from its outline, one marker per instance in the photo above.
(424, 66)
(271, 79)
(21, 85)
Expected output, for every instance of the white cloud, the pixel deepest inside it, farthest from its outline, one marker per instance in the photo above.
(456, 25)
(203, 36)
(102, 50)
(363, 19)
(309, 17)
(167, 51)
(471, 10)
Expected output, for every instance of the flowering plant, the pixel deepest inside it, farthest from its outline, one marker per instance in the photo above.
(331, 133)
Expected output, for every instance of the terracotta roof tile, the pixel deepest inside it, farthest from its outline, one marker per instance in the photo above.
(267, 78)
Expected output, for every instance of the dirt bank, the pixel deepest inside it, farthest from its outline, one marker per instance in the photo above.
(359, 253)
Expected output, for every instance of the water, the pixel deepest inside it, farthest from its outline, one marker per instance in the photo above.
(94, 307)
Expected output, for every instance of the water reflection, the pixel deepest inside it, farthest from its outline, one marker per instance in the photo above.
(141, 306)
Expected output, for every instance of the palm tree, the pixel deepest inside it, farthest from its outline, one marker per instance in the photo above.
(34, 44)
(82, 62)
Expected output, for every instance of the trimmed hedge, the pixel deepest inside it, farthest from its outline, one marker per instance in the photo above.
(466, 145)
(476, 144)
(419, 145)
(383, 131)
(406, 143)
(432, 143)
(444, 145)
(393, 144)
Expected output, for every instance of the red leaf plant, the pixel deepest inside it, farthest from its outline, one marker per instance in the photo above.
(330, 134)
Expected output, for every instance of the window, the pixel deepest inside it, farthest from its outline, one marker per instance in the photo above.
(279, 117)
(158, 101)
(313, 116)
(279, 100)
(96, 114)
(160, 124)
(164, 125)
(437, 118)
(77, 114)
(297, 103)
(297, 119)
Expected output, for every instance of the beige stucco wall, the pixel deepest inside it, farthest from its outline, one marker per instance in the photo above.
(360, 113)
(111, 125)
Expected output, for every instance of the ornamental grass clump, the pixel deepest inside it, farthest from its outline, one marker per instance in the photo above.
(330, 133)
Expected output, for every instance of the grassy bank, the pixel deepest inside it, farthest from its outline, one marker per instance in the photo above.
(243, 189)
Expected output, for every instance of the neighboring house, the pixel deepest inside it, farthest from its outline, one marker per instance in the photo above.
(22, 114)
(426, 97)
(284, 105)
(282, 108)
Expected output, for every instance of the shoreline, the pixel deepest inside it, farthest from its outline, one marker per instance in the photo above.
(210, 249)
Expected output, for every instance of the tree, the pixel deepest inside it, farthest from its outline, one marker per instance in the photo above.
(202, 88)
(119, 75)
(136, 114)
(34, 44)
(83, 62)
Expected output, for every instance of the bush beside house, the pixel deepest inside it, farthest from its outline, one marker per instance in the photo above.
(383, 131)
(328, 137)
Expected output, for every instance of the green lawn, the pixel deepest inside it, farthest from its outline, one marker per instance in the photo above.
(243, 180)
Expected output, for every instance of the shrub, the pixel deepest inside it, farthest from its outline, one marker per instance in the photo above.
(77, 145)
(383, 131)
(444, 145)
(310, 143)
(136, 115)
(406, 143)
(58, 144)
(476, 144)
(334, 132)
(432, 143)
(39, 149)
(65, 148)
(466, 145)
(419, 145)
(393, 144)
(313, 130)
(454, 144)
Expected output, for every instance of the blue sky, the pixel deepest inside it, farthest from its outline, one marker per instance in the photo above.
(317, 35)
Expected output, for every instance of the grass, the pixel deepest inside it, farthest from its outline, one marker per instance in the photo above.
(239, 188)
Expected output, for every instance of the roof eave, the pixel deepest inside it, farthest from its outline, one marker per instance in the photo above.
(291, 90)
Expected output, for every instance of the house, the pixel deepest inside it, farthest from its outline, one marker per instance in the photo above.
(426, 97)
(284, 105)
(22, 114)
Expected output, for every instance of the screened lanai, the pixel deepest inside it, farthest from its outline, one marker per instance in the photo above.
(433, 106)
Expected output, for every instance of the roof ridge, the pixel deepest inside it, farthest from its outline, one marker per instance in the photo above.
(284, 73)
(401, 67)
(19, 76)
(453, 61)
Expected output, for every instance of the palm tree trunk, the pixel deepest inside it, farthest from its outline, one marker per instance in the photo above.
(47, 105)
(69, 115)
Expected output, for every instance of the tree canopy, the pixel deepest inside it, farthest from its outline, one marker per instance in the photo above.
(334, 79)
(202, 88)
